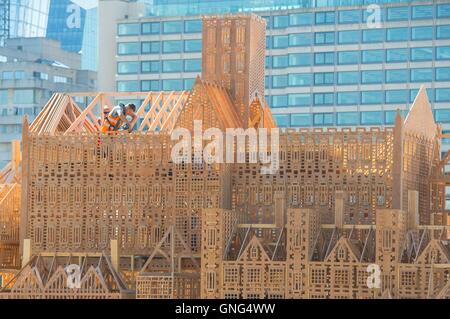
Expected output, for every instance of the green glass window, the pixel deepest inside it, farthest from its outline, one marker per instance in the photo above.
(348, 57)
(281, 21)
(279, 81)
(324, 38)
(300, 39)
(443, 95)
(151, 28)
(422, 75)
(372, 56)
(279, 100)
(299, 79)
(3, 97)
(397, 34)
(396, 96)
(372, 97)
(172, 85)
(324, 58)
(422, 33)
(280, 61)
(372, 118)
(373, 35)
(300, 19)
(128, 67)
(323, 98)
(150, 66)
(349, 37)
(347, 118)
(372, 76)
(173, 46)
(349, 16)
(323, 119)
(128, 48)
(192, 26)
(443, 53)
(172, 27)
(325, 17)
(193, 65)
(326, 78)
(346, 78)
(301, 120)
(442, 74)
(172, 66)
(153, 47)
(280, 41)
(397, 76)
(422, 54)
(282, 119)
(443, 32)
(150, 85)
(442, 115)
(348, 98)
(398, 13)
(299, 99)
(397, 55)
(443, 11)
(128, 86)
(124, 29)
(22, 96)
(422, 12)
(300, 59)
(193, 46)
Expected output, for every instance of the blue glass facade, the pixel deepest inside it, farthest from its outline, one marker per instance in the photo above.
(324, 66)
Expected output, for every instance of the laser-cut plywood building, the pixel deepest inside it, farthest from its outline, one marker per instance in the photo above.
(341, 200)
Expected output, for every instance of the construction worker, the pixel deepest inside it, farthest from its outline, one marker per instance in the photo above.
(118, 117)
(106, 111)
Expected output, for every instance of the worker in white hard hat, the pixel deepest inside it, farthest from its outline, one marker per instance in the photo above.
(106, 111)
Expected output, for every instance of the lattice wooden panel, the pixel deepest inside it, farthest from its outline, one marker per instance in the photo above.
(9, 226)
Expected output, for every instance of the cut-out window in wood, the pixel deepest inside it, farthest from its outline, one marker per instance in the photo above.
(386, 239)
(210, 280)
(231, 275)
(380, 191)
(309, 194)
(211, 237)
(318, 276)
(254, 275)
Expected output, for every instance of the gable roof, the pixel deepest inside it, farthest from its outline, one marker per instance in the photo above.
(354, 253)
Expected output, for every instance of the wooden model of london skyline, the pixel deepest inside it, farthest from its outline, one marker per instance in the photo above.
(138, 225)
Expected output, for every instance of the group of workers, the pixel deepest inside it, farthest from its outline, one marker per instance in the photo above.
(116, 119)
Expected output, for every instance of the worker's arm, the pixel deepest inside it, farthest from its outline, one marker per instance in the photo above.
(125, 121)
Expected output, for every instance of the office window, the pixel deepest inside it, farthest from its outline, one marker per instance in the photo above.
(422, 12)
(268, 42)
(279, 81)
(150, 85)
(372, 118)
(193, 65)
(413, 94)
(268, 62)
(443, 53)
(442, 115)
(128, 86)
(173, 46)
(192, 26)
(324, 38)
(128, 48)
(372, 16)
(19, 75)
(24, 96)
(348, 98)
(442, 74)
(398, 13)
(397, 76)
(299, 99)
(347, 118)
(280, 22)
(300, 59)
(397, 55)
(267, 18)
(188, 84)
(422, 33)
(3, 97)
(8, 75)
(346, 78)
(300, 39)
(348, 57)
(443, 11)
(349, 37)
(443, 32)
(323, 119)
(422, 75)
(153, 47)
(172, 66)
(150, 66)
(151, 28)
(326, 78)
(349, 16)
(372, 97)
(299, 79)
(128, 29)
(301, 120)
(172, 27)
(325, 17)
(280, 61)
(300, 19)
(372, 76)
(280, 41)
(443, 95)
(323, 98)
(267, 82)
(372, 56)
(128, 67)
(397, 34)
(422, 54)
(282, 119)
(172, 85)
(324, 58)
(396, 96)
(373, 35)
(279, 100)
(193, 46)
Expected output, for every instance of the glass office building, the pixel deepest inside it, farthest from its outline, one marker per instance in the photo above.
(72, 22)
(329, 63)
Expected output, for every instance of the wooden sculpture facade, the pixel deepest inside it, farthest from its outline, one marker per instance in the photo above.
(341, 201)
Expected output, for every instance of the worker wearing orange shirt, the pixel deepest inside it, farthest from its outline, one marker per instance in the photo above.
(118, 118)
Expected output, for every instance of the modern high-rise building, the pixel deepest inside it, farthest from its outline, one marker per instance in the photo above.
(71, 22)
(328, 63)
(31, 70)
